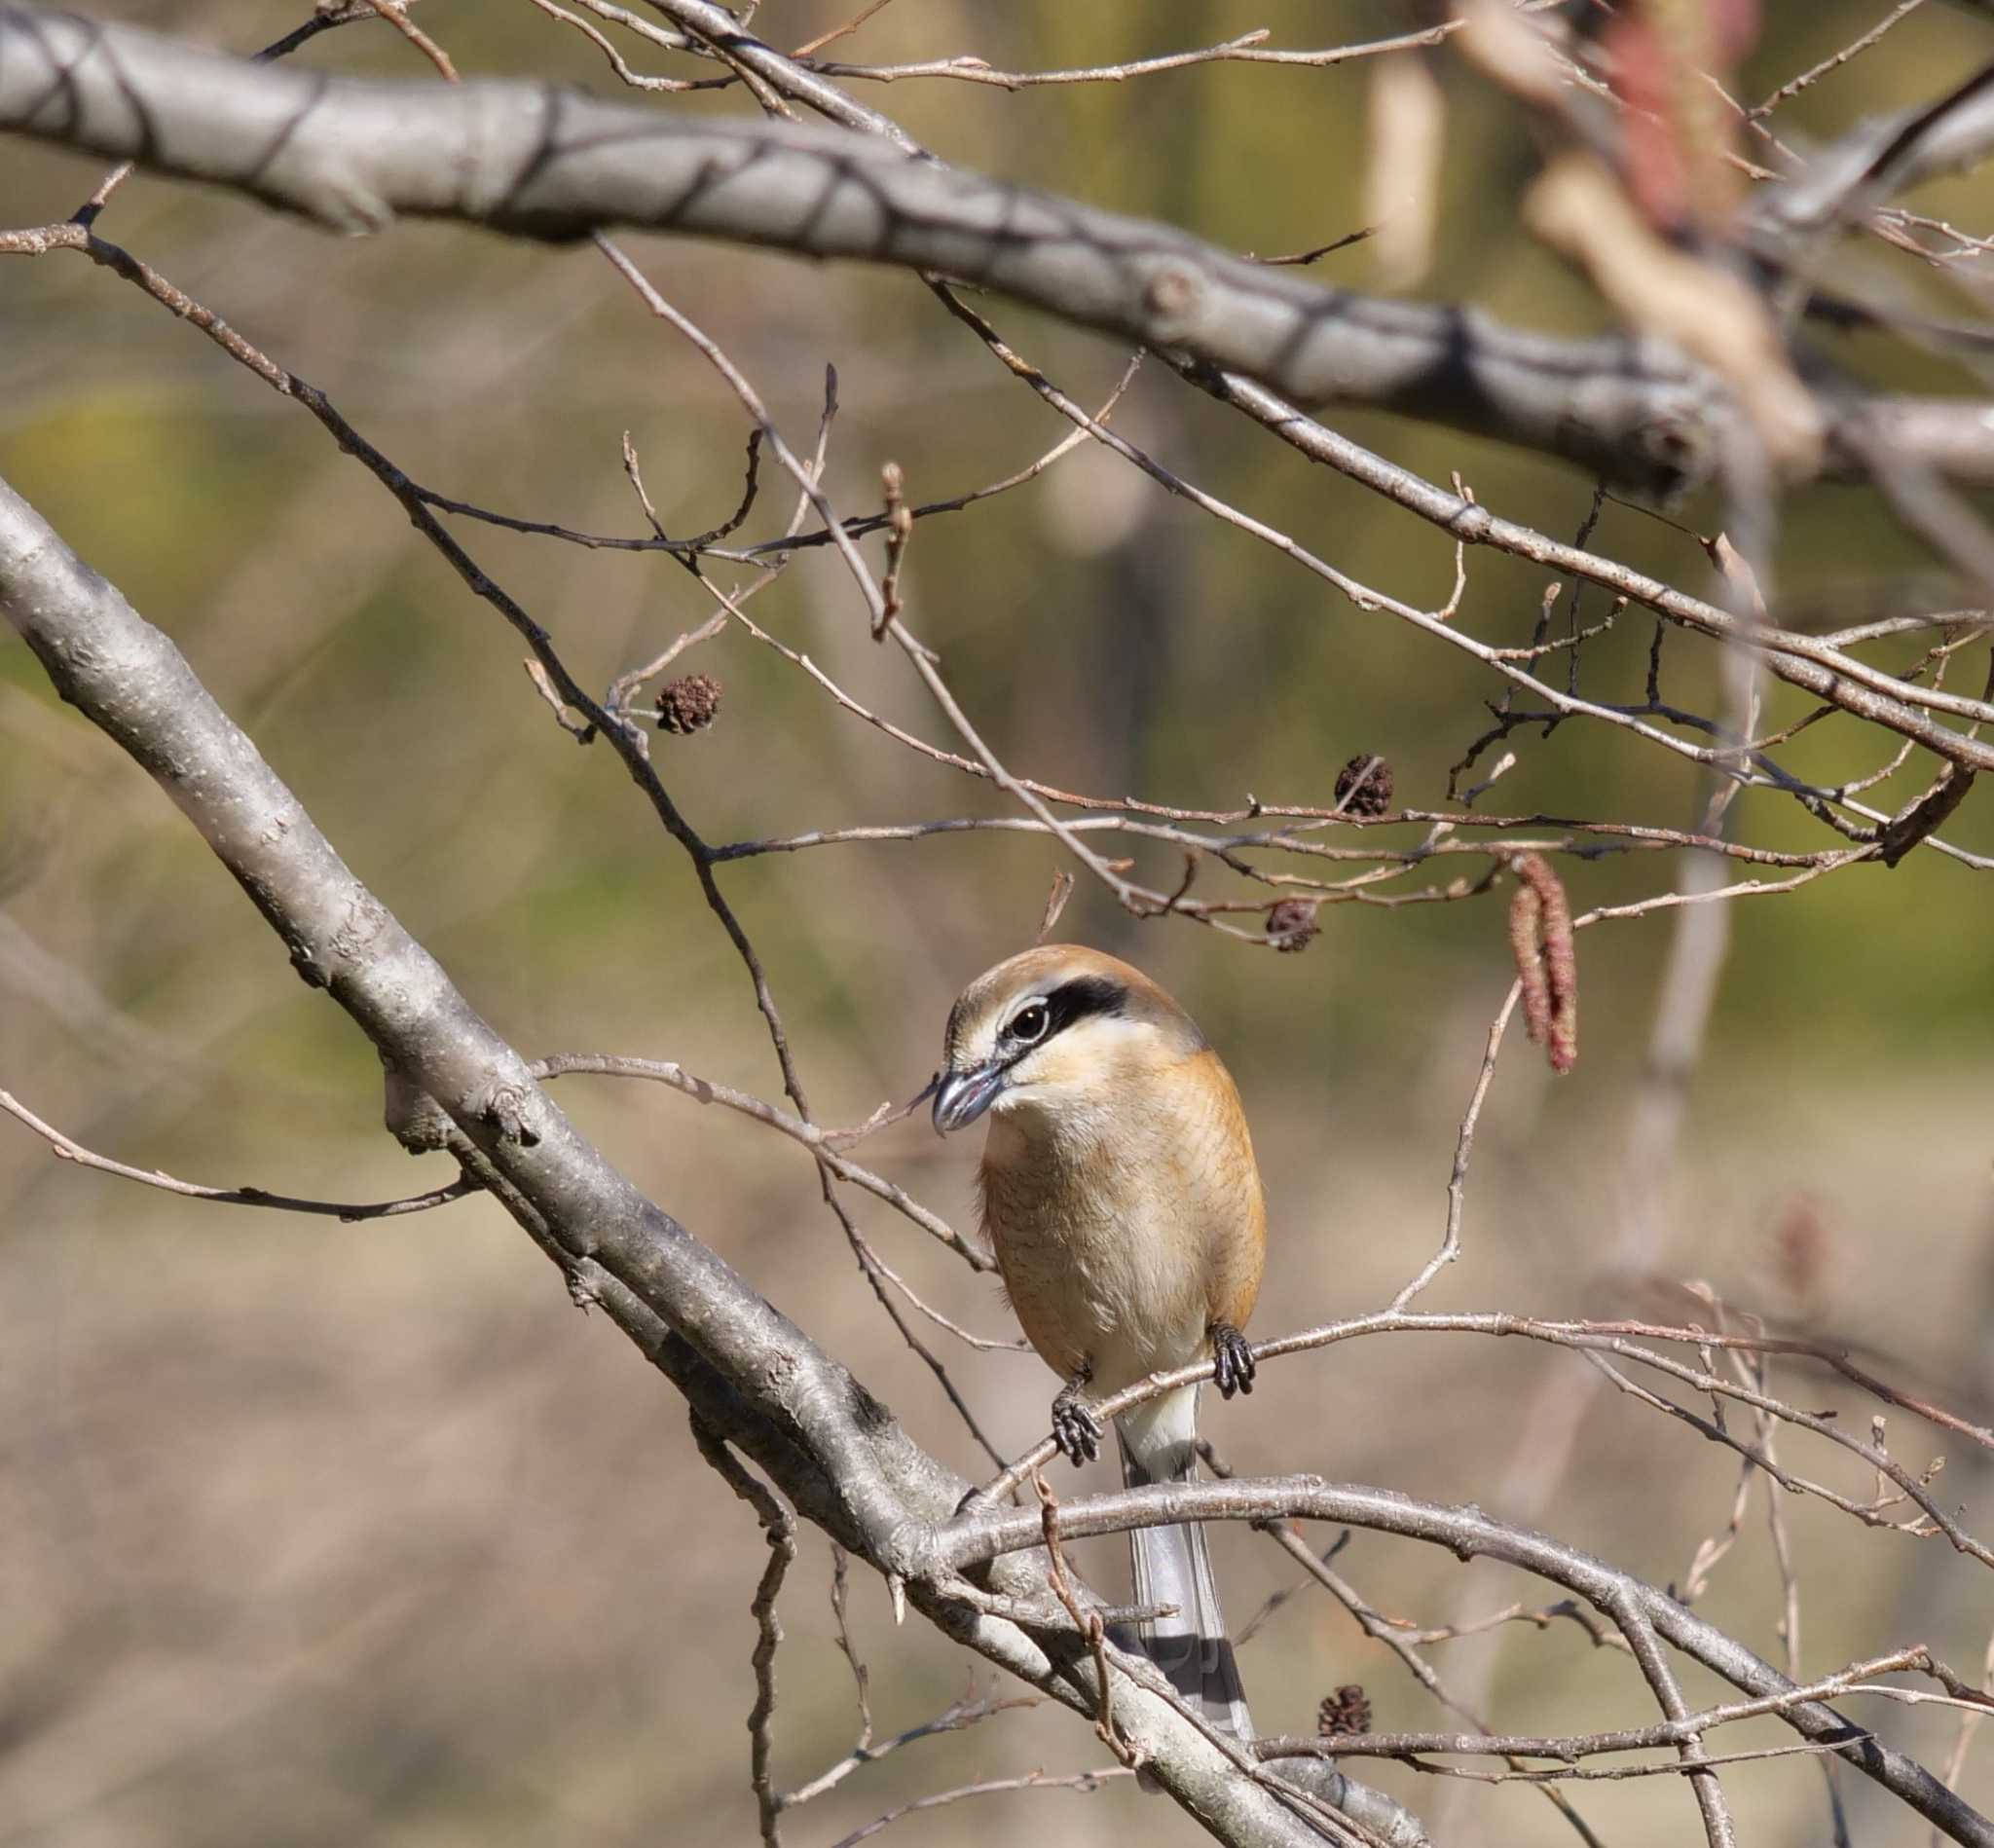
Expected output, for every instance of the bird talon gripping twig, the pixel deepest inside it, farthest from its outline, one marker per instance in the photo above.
(1075, 1428)
(1233, 1364)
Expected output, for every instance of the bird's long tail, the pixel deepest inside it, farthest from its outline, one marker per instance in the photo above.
(1171, 1567)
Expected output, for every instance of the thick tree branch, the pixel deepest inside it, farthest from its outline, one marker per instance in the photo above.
(1885, 156)
(131, 680)
(533, 162)
(541, 162)
(752, 1376)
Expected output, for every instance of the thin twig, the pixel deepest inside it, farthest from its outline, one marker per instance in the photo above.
(397, 14)
(1088, 1622)
(1464, 1152)
(1085, 1782)
(66, 1150)
(779, 1528)
(821, 1142)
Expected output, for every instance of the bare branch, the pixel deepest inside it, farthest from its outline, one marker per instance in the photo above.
(779, 1528)
(1085, 1782)
(754, 1377)
(1463, 1151)
(545, 162)
(822, 1143)
(66, 1150)
(1250, 48)
(1467, 1532)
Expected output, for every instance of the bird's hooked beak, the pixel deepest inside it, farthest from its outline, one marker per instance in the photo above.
(961, 1097)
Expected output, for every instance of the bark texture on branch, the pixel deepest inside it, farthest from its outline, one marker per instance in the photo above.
(750, 1373)
(542, 162)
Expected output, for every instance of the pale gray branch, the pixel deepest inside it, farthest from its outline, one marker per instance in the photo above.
(541, 162)
(750, 1374)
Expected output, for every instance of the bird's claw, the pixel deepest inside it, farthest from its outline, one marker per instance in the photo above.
(1233, 1365)
(1075, 1428)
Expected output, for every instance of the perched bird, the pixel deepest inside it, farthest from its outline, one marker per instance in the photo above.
(1123, 1201)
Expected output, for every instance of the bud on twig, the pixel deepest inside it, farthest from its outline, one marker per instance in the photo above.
(1056, 903)
(900, 528)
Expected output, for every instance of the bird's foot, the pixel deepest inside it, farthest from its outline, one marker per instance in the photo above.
(1075, 1428)
(1233, 1364)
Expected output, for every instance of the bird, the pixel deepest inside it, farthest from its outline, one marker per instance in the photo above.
(1123, 1206)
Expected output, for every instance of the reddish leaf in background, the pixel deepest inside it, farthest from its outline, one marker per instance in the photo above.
(1678, 130)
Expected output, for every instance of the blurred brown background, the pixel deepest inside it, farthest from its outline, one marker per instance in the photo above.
(314, 1533)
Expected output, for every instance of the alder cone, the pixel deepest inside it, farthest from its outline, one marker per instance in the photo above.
(690, 704)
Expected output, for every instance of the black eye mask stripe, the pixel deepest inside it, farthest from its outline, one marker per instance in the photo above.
(1076, 1000)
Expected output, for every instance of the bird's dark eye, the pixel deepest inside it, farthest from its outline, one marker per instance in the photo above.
(1028, 1024)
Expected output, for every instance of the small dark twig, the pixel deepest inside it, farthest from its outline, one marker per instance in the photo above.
(1088, 1622)
(862, 1677)
(1301, 258)
(779, 1528)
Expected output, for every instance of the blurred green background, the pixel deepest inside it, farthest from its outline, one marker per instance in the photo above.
(322, 1534)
